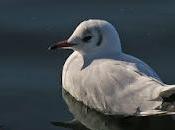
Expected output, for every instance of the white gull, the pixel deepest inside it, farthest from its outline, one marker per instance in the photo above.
(101, 76)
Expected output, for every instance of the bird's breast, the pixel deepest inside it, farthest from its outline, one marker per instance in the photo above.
(71, 73)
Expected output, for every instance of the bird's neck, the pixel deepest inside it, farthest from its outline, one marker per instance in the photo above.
(89, 58)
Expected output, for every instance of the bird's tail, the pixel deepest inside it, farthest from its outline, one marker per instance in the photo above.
(168, 92)
(167, 95)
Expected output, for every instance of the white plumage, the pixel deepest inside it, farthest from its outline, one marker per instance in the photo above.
(101, 76)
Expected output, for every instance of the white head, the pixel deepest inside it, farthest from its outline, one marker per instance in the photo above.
(92, 36)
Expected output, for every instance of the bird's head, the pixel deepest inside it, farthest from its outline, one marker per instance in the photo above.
(92, 36)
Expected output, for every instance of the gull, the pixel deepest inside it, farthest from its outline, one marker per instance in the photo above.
(99, 74)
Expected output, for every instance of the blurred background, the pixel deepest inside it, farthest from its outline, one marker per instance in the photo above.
(30, 87)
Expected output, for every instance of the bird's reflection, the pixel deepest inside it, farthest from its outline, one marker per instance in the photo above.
(89, 119)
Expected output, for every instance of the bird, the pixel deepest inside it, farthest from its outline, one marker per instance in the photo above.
(101, 76)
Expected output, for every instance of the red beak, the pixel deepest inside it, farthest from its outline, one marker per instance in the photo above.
(60, 45)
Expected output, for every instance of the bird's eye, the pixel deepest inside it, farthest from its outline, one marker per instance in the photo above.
(87, 38)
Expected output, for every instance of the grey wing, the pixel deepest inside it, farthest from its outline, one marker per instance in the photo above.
(115, 88)
(140, 66)
(148, 71)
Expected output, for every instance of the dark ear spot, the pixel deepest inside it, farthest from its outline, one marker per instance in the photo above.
(99, 38)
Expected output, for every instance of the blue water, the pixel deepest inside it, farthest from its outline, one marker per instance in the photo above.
(30, 96)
